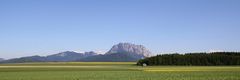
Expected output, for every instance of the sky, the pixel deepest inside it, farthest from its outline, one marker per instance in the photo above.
(43, 27)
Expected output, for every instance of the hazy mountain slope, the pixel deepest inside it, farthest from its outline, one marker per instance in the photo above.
(118, 57)
(1, 59)
(68, 56)
(59, 57)
(26, 59)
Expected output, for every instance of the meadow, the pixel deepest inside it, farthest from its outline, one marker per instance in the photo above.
(114, 71)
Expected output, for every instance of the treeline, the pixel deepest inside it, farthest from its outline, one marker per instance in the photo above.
(198, 59)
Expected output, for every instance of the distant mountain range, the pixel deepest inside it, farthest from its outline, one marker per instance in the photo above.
(118, 53)
(1, 59)
(69, 56)
(59, 57)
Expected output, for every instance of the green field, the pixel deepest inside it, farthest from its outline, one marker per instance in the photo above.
(114, 71)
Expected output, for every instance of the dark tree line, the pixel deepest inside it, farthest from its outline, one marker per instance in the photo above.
(198, 59)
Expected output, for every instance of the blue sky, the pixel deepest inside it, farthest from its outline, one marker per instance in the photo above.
(42, 27)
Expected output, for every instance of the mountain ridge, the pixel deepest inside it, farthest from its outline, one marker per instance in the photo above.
(118, 52)
(1, 59)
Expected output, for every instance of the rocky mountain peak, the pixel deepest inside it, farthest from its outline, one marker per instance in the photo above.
(130, 48)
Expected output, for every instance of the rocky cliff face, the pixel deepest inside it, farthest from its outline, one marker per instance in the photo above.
(138, 50)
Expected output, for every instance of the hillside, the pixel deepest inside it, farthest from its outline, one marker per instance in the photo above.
(118, 57)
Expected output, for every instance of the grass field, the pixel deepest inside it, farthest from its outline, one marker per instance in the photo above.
(114, 71)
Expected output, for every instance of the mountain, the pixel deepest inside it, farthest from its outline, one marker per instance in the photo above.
(69, 56)
(137, 51)
(119, 57)
(59, 57)
(121, 52)
(91, 53)
(25, 59)
(1, 59)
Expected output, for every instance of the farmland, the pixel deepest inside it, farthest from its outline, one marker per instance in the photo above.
(114, 71)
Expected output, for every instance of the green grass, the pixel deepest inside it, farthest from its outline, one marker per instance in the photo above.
(114, 71)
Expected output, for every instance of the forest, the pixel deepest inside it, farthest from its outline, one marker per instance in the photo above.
(195, 59)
